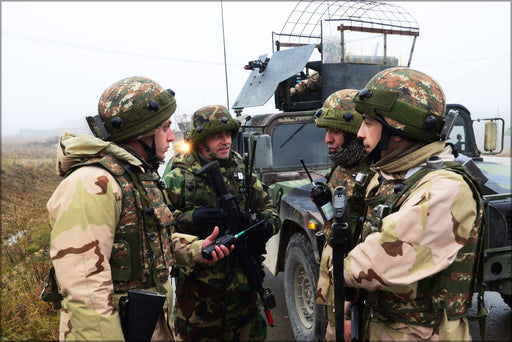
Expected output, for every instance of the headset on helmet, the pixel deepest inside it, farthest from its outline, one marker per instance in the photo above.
(130, 109)
(210, 120)
(408, 102)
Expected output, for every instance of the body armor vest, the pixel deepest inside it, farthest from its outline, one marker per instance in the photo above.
(451, 289)
(198, 189)
(142, 251)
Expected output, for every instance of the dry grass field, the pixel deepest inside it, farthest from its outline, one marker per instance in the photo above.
(28, 180)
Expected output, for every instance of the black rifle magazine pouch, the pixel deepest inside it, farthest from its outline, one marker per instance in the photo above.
(139, 313)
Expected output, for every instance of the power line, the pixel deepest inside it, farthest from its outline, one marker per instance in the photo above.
(93, 48)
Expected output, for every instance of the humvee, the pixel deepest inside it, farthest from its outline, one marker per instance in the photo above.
(346, 42)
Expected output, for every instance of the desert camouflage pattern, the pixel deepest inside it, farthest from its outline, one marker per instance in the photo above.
(413, 87)
(310, 85)
(98, 244)
(129, 92)
(213, 302)
(325, 287)
(210, 120)
(338, 112)
(403, 257)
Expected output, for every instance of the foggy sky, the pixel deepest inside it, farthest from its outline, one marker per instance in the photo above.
(58, 57)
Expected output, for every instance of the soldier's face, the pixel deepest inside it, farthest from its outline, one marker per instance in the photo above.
(334, 139)
(219, 144)
(370, 131)
(163, 137)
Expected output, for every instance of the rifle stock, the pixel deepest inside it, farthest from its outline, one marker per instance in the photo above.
(342, 243)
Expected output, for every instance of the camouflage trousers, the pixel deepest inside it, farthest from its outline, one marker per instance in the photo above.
(200, 315)
(378, 329)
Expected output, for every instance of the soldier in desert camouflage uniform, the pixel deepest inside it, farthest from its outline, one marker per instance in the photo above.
(215, 302)
(310, 85)
(341, 121)
(420, 247)
(111, 224)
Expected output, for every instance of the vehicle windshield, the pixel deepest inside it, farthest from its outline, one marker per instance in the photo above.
(294, 141)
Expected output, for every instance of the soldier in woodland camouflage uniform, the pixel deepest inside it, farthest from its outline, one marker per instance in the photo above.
(341, 121)
(215, 302)
(420, 247)
(111, 224)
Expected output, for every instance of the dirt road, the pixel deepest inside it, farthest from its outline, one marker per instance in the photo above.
(499, 321)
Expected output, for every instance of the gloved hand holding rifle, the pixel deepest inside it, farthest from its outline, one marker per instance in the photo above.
(232, 220)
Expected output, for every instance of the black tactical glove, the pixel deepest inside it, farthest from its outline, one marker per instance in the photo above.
(258, 237)
(206, 216)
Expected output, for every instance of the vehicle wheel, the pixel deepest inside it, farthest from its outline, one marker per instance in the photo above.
(307, 319)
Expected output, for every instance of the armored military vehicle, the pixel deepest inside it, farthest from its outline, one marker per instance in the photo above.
(324, 47)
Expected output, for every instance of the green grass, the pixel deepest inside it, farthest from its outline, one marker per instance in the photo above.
(28, 179)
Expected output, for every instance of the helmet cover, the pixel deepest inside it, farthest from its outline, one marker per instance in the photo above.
(135, 107)
(211, 120)
(410, 103)
(339, 112)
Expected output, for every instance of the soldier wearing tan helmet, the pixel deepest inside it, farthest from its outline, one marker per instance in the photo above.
(111, 224)
(420, 243)
(341, 122)
(216, 302)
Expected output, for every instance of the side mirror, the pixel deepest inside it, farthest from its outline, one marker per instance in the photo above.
(263, 153)
(492, 135)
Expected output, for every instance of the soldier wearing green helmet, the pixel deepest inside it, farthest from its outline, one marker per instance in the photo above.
(216, 302)
(111, 223)
(421, 242)
(341, 122)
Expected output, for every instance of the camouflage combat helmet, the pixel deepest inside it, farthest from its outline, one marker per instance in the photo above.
(132, 108)
(338, 112)
(408, 102)
(210, 120)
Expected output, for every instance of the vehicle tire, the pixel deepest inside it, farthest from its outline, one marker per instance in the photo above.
(307, 319)
(507, 299)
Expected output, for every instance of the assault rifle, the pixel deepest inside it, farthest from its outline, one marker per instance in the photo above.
(232, 219)
(342, 243)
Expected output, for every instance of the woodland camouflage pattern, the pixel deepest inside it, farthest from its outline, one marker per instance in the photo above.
(413, 87)
(140, 106)
(411, 247)
(338, 112)
(406, 99)
(95, 214)
(129, 92)
(213, 301)
(210, 120)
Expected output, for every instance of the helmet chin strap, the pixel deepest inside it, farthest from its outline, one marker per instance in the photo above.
(210, 153)
(151, 152)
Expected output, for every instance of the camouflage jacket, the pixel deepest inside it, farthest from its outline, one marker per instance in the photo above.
(435, 222)
(188, 192)
(355, 194)
(99, 246)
